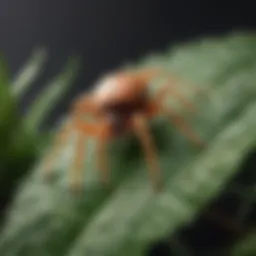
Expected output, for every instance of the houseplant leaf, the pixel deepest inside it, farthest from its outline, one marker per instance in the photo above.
(51, 94)
(29, 72)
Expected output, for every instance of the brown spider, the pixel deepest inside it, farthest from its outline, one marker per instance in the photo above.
(120, 103)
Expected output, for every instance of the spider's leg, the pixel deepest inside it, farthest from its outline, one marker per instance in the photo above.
(84, 130)
(102, 162)
(171, 90)
(147, 74)
(141, 130)
(176, 80)
(101, 131)
(182, 125)
(76, 170)
(102, 159)
(60, 139)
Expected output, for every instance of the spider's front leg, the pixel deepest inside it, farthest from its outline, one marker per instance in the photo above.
(157, 106)
(174, 82)
(101, 153)
(61, 138)
(183, 126)
(142, 131)
(100, 130)
(76, 179)
(171, 90)
(59, 141)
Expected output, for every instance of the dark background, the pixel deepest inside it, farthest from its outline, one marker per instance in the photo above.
(106, 33)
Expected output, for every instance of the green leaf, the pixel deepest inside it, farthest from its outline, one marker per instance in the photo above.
(19, 145)
(6, 101)
(54, 91)
(45, 219)
(247, 247)
(29, 73)
(9, 118)
(15, 149)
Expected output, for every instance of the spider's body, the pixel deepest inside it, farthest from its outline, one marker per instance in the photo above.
(120, 103)
(117, 97)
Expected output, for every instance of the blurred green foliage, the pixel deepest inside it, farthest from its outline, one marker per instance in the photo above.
(16, 149)
(45, 219)
(20, 139)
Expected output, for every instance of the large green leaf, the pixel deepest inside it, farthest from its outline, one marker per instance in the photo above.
(45, 219)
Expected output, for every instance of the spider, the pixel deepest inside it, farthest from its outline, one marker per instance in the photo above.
(120, 103)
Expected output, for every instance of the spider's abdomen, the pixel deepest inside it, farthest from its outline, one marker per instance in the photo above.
(119, 90)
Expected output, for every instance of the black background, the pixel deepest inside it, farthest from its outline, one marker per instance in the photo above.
(106, 33)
